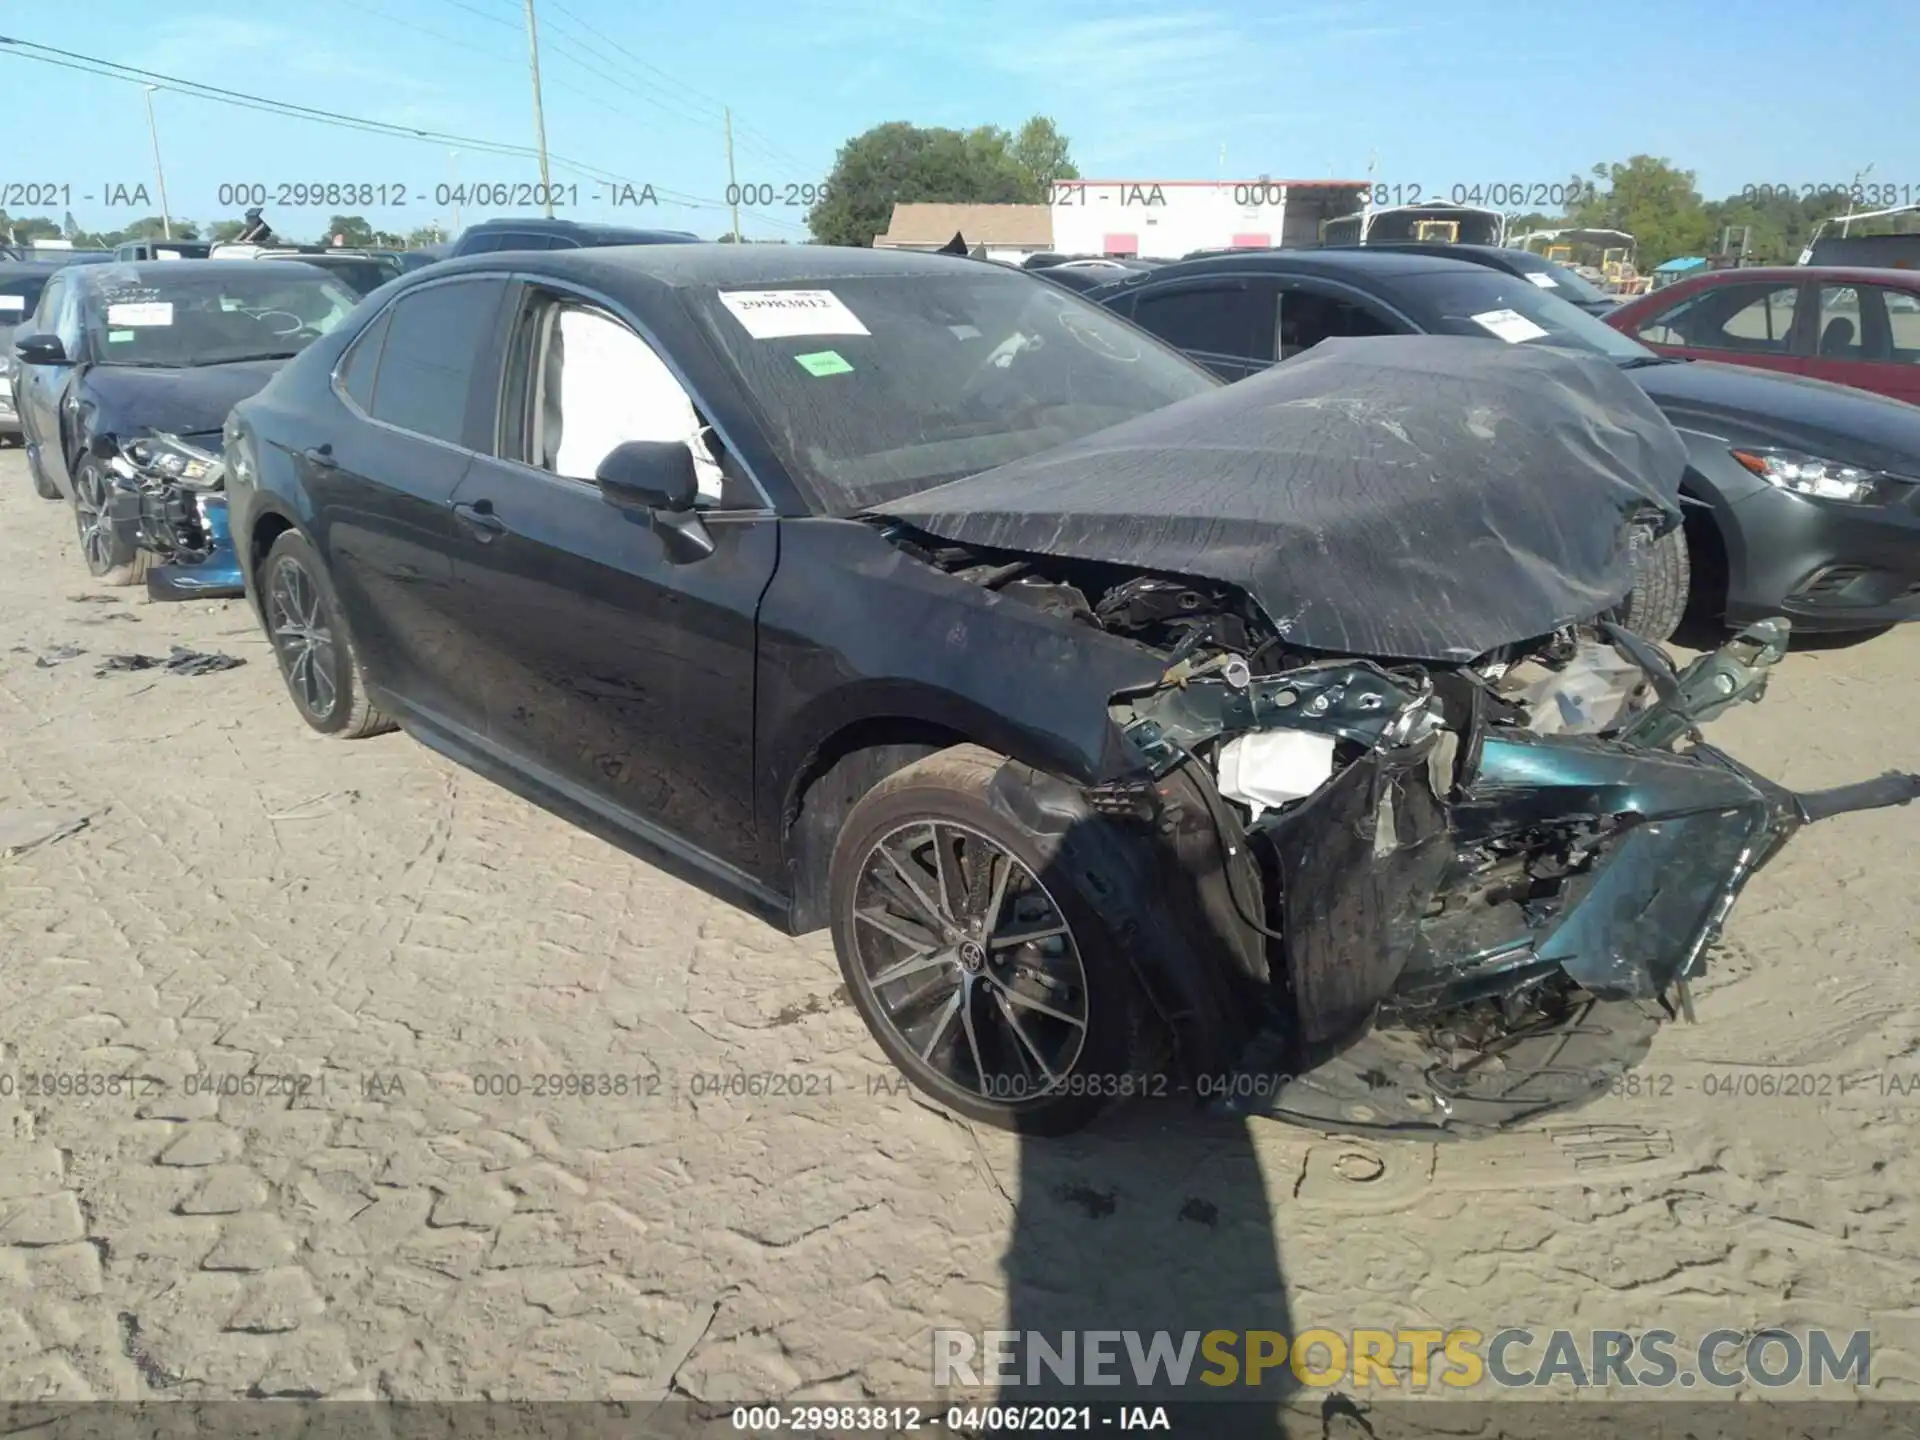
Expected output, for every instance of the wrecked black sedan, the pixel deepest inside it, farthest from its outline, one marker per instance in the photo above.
(1132, 733)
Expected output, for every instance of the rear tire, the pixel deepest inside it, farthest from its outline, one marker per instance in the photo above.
(308, 631)
(1658, 600)
(932, 884)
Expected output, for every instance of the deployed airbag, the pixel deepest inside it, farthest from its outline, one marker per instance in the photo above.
(1408, 497)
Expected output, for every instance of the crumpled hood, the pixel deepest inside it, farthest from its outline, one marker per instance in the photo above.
(1409, 497)
(129, 400)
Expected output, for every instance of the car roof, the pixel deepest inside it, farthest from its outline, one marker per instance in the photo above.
(1866, 274)
(697, 264)
(542, 225)
(98, 275)
(1332, 260)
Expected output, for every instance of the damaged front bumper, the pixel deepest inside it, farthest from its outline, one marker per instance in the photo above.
(1471, 920)
(183, 521)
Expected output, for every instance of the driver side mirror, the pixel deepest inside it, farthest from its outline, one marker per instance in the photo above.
(41, 349)
(658, 477)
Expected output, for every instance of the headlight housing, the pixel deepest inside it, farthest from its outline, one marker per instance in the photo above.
(170, 456)
(1810, 475)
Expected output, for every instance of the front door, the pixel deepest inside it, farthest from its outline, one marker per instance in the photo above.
(618, 672)
(1763, 323)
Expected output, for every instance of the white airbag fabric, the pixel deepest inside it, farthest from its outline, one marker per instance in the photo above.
(1266, 769)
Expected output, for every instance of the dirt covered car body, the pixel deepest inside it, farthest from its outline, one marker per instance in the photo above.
(972, 622)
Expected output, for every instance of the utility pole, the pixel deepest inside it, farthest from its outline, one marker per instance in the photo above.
(453, 190)
(539, 117)
(733, 188)
(153, 131)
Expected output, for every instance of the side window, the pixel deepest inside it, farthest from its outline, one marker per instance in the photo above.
(1903, 323)
(520, 240)
(1309, 316)
(596, 385)
(483, 243)
(363, 360)
(434, 339)
(67, 319)
(1844, 326)
(1748, 319)
(1214, 320)
(49, 306)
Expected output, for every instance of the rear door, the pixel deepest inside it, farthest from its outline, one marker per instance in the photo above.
(1767, 324)
(1869, 336)
(383, 489)
(617, 674)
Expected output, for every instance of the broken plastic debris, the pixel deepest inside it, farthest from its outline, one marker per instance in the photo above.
(181, 662)
(1269, 768)
(58, 654)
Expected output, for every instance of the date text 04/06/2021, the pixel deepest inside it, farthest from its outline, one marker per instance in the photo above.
(829, 1419)
(483, 194)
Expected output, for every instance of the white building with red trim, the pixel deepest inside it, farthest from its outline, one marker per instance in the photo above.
(1165, 219)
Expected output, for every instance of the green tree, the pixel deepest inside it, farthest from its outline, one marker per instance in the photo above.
(1655, 203)
(222, 231)
(356, 230)
(152, 227)
(1040, 150)
(425, 235)
(898, 163)
(28, 228)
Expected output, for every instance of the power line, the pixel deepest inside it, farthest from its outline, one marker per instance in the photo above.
(113, 70)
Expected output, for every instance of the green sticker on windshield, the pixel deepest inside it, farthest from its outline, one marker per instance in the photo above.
(824, 362)
(118, 336)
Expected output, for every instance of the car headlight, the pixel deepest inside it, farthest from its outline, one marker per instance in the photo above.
(171, 456)
(1810, 475)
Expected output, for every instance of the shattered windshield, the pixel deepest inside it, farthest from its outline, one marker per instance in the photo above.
(876, 387)
(1511, 308)
(174, 315)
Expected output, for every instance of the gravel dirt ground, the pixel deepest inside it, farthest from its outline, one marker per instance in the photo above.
(388, 946)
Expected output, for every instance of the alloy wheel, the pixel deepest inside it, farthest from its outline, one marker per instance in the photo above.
(92, 517)
(302, 637)
(971, 962)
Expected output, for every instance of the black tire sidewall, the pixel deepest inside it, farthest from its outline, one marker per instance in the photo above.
(293, 549)
(120, 571)
(1106, 1070)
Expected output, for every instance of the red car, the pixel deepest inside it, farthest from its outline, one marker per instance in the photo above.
(1842, 323)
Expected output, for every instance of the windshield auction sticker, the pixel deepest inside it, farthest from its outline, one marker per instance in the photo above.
(1510, 325)
(137, 314)
(1543, 280)
(775, 314)
(13, 302)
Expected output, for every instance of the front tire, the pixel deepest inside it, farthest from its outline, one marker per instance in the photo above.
(110, 558)
(985, 974)
(1663, 576)
(308, 632)
(43, 485)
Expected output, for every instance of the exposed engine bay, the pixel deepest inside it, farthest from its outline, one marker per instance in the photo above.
(1501, 874)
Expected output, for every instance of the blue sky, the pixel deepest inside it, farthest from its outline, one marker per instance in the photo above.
(1470, 91)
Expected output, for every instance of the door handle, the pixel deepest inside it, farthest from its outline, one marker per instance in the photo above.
(480, 519)
(320, 456)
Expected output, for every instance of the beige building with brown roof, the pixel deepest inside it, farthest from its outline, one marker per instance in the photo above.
(1009, 232)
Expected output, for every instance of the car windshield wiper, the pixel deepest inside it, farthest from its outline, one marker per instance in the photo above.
(1641, 362)
(240, 359)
